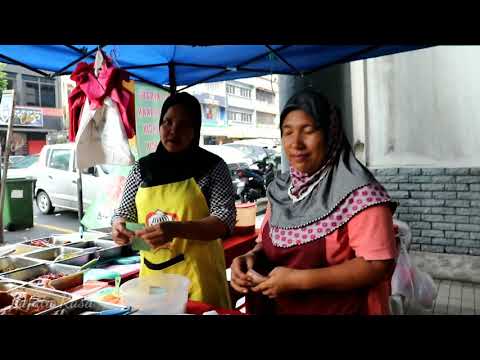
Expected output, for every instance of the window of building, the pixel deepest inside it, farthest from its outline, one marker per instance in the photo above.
(246, 93)
(239, 91)
(265, 96)
(265, 118)
(213, 86)
(11, 80)
(39, 91)
(240, 117)
(12, 83)
(230, 89)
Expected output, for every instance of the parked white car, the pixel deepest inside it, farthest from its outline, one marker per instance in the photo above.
(235, 160)
(56, 185)
(233, 157)
(27, 167)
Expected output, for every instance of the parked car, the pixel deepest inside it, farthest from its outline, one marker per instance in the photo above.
(265, 143)
(12, 159)
(258, 154)
(27, 167)
(56, 185)
(234, 158)
(235, 161)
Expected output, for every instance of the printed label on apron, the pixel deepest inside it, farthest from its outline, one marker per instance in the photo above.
(156, 217)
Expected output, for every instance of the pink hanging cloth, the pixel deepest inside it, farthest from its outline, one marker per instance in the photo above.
(109, 83)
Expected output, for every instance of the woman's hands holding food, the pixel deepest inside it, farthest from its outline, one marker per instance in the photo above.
(279, 281)
(241, 282)
(120, 234)
(158, 236)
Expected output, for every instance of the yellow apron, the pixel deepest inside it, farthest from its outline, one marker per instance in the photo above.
(204, 262)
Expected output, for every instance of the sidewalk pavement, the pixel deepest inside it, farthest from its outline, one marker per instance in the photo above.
(464, 268)
(457, 278)
(453, 298)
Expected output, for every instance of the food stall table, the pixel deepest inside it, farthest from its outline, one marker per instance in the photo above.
(238, 245)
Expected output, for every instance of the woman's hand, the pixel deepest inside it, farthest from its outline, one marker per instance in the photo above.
(158, 236)
(120, 234)
(240, 266)
(280, 280)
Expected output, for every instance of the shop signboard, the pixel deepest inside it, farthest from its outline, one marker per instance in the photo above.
(213, 110)
(148, 106)
(26, 116)
(6, 106)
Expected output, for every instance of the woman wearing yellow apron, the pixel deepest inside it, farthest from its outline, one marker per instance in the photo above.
(185, 197)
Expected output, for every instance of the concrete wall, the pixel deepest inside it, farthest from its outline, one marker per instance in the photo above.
(422, 108)
(421, 124)
(333, 82)
(441, 206)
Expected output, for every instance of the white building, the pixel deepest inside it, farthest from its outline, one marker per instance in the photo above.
(240, 109)
(38, 110)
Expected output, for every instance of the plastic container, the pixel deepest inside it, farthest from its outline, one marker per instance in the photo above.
(161, 294)
(246, 216)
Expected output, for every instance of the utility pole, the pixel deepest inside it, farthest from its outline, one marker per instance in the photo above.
(6, 117)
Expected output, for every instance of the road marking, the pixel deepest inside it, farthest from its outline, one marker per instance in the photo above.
(51, 227)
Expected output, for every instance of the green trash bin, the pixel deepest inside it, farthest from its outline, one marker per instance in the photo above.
(18, 206)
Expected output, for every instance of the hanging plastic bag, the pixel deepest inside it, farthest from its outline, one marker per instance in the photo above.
(402, 279)
(416, 287)
(101, 137)
(403, 232)
(424, 289)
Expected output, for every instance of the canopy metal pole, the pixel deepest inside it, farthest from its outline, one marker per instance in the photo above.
(283, 60)
(148, 81)
(203, 66)
(60, 72)
(233, 69)
(131, 74)
(16, 62)
(343, 60)
(171, 78)
(80, 200)
(8, 140)
(134, 67)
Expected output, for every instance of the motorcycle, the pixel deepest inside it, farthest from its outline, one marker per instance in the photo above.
(253, 181)
(250, 186)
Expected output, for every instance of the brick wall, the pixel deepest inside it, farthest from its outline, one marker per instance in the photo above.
(441, 205)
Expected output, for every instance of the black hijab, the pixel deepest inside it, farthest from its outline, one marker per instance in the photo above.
(340, 174)
(164, 167)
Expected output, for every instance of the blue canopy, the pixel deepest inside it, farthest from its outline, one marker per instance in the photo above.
(173, 65)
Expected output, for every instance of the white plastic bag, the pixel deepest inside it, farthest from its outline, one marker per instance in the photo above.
(415, 286)
(402, 279)
(424, 289)
(101, 137)
(403, 232)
